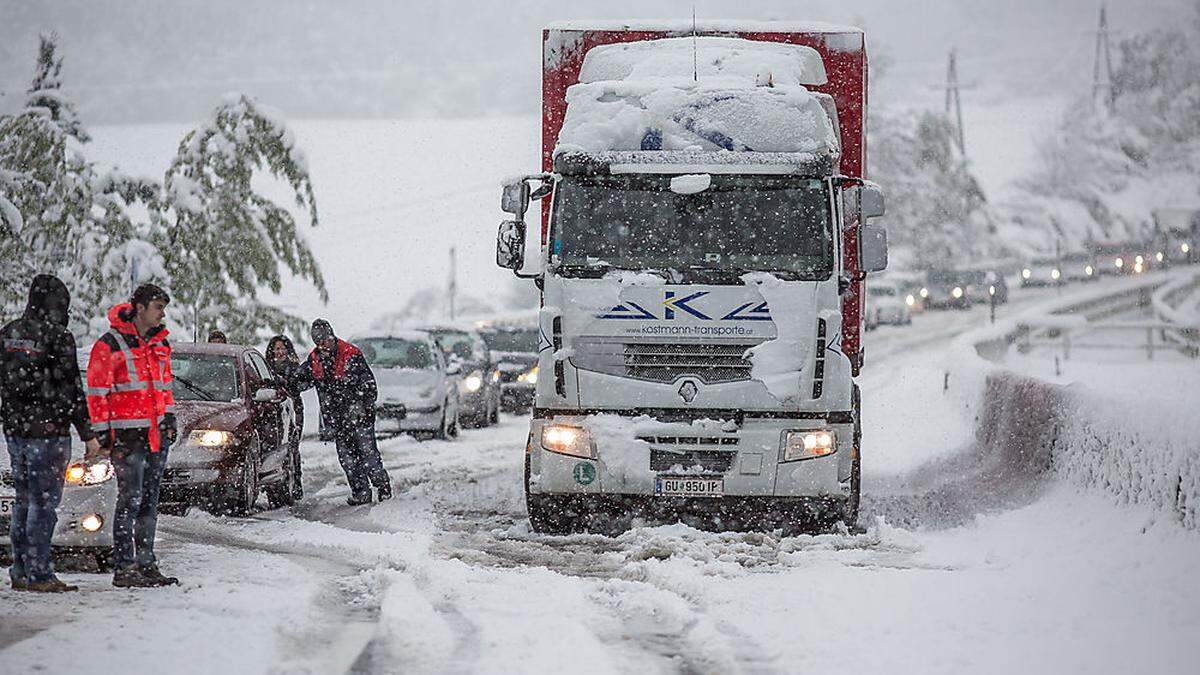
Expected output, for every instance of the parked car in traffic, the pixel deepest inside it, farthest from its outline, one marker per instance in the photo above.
(886, 305)
(418, 385)
(238, 434)
(1043, 272)
(515, 352)
(1079, 267)
(479, 386)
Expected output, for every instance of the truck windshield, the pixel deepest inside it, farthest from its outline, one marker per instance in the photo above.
(778, 224)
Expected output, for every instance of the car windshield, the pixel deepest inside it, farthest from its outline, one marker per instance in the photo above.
(455, 342)
(881, 291)
(739, 223)
(397, 353)
(945, 278)
(205, 377)
(512, 340)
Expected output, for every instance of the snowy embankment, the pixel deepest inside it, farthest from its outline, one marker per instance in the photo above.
(1136, 441)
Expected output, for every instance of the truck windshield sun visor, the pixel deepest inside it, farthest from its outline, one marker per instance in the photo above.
(739, 224)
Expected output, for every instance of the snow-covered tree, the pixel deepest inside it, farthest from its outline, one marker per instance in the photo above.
(60, 213)
(222, 240)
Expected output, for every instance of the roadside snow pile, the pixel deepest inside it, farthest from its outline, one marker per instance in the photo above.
(744, 96)
(708, 58)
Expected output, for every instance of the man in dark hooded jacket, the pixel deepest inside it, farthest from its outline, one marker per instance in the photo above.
(346, 391)
(41, 398)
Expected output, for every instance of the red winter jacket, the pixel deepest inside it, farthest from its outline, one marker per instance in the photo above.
(129, 379)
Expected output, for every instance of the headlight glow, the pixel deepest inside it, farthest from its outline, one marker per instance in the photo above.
(473, 382)
(209, 438)
(957, 292)
(1185, 247)
(1088, 270)
(1119, 262)
(529, 377)
(89, 473)
(1138, 260)
(1055, 274)
(991, 290)
(496, 375)
(568, 440)
(1137, 268)
(808, 444)
(1026, 273)
(910, 300)
(924, 292)
(92, 522)
(1159, 256)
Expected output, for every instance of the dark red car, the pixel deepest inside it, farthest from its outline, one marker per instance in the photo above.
(238, 434)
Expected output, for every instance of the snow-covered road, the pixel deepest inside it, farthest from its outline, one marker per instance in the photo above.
(961, 569)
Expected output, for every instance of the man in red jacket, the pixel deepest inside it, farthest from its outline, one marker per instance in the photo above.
(133, 412)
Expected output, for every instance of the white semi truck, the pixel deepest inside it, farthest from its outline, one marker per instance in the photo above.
(704, 238)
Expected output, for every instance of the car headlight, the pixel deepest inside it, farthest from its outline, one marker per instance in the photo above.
(1185, 247)
(1159, 256)
(1138, 260)
(1055, 274)
(209, 438)
(924, 293)
(1026, 273)
(568, 440)
(529, 377)
(808, 444)
(957, 292)
(496, 375)
(89, 473)
(910, 300)
(1119, 262)
(991, 290)
(1088, 270)
(1137, 268)
(472, 382)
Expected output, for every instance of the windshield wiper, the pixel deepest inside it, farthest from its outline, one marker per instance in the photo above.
(207, 396)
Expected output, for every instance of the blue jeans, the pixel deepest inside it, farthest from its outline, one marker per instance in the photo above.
(38, 469)
(139, 476)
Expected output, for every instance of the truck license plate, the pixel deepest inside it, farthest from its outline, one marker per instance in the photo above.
(688, 486)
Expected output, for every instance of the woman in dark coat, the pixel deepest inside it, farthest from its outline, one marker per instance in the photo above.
(284, 362)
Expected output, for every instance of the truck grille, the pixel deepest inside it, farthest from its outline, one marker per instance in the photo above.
(711, 454)
(663, 362)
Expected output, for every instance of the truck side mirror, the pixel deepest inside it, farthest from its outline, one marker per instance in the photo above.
(515, 199)
(510, 244)
(872, 203)
(872, 248)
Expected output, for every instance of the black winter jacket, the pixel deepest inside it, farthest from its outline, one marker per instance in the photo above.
(41, 390)
(345, 386)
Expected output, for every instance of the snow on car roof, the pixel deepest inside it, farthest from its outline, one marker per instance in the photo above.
(708, 58)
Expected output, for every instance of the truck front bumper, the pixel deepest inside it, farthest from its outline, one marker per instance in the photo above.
(751, 462)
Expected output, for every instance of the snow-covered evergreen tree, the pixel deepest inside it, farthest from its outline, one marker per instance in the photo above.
(61, 213)
(222, 241)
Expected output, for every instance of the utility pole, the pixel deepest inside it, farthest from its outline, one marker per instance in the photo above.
(452, 284)
(952, 89)
(1102, 84)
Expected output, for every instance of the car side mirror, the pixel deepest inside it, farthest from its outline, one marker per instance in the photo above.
(266, 395)
(515, 199)
(510, 245)
(872, 248)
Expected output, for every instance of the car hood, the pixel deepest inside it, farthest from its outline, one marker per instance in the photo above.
(403, 385)
(218, 415)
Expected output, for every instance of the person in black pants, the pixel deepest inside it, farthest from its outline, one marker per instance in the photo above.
(285, 363)
(346, 391)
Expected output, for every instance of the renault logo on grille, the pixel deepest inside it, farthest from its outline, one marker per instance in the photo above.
(688, 391)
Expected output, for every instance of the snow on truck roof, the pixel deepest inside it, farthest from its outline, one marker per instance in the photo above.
(713, 59)
(746, 97)
(706, 26)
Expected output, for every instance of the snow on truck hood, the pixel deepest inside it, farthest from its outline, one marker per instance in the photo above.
(775, 320)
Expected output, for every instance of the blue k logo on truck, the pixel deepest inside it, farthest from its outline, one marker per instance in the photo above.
(674, 305)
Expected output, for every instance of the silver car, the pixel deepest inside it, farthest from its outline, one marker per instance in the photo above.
(418, 387)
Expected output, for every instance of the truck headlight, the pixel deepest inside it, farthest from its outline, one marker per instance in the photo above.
(89, 473)
(568, 440)
(209, 438)
(529, 377)
(472, 382)
(808, 444)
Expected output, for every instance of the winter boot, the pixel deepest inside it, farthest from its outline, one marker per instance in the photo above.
(19, 584)
(132, 577)
(52, 586)
(151, 572)
(360, 498)
(385, 490)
